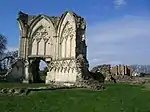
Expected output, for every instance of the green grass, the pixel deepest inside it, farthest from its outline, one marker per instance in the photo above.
(21, 85)
(116, 98)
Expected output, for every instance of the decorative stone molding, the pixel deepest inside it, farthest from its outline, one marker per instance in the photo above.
(60, 38)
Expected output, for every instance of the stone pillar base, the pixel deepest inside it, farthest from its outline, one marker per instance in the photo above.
(25, 81)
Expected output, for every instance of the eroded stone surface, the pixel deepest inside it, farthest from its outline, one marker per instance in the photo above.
(25, 91)
(59, 41)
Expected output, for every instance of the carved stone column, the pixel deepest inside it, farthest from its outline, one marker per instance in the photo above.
(26, 75)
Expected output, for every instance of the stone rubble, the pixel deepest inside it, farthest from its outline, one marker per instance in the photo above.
(109, 77)
(128, 79)
(89, 84)
(103, 69)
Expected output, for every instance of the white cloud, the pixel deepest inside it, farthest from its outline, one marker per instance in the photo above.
(124, 40)
(123, 28)
(11, 48)
(42, 65)
(119, 3)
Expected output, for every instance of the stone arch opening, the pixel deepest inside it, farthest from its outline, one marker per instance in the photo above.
(43, 69)
(67, 36)
(42, 35)
(37, 70)
(55, 39)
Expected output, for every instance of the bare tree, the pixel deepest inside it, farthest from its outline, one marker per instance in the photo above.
(12, 53)
(3, 42)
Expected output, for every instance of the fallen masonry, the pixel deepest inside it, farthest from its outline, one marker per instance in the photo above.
(129, 79)
(105, 71)
(25, 91)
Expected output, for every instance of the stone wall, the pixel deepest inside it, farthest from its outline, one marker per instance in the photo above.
(103, 69)
(60, 39)
(121, 70)
(16, 71)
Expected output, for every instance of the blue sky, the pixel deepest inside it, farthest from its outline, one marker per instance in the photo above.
(118, 31)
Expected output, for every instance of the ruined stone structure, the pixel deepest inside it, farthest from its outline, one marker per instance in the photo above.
(13, 71)
(59, 41)
(121, 70)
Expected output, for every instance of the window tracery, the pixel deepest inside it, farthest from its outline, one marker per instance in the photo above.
(43, 40)
(67, 34)
(41, 33)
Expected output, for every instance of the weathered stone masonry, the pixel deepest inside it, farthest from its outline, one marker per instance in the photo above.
(59, 41)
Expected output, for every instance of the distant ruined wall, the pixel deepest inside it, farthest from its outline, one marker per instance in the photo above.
(16, 71)
(121, 70)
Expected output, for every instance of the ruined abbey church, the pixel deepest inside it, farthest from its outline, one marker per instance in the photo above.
(59, 41)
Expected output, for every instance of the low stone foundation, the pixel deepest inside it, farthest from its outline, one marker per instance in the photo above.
(26, 91)
(90, 84)
(13, 91)
(57, 86)
(126, 79)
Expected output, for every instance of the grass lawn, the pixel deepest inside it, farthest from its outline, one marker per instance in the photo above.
(22, 85)
(116, 98)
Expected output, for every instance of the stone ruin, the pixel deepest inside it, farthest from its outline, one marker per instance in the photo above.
(60, 42)
(109, 75)
(14, 71)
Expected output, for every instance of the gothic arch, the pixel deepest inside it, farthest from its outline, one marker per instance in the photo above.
(56, 39)
(67, 33)
(41, 37)
(37, 20)
(21, 27)
(34, 69)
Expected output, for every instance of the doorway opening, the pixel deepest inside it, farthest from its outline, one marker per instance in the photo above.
(39, 69)
(43, 69)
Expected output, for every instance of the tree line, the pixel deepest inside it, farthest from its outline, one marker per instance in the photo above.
(4, 54)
